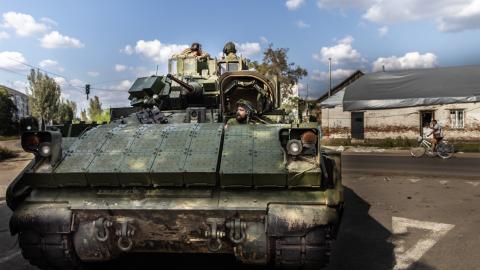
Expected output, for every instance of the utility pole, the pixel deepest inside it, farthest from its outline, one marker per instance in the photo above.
(330, 76)
(306, 103)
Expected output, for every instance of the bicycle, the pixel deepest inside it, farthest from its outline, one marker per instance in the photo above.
(444, 149)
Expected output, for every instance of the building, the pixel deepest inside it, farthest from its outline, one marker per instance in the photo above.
(400, 103)
(21, 102)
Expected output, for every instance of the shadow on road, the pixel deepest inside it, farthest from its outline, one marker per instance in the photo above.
(363, 243)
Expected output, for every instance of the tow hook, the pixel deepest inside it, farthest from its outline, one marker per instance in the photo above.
(102, 226)
(214, 234)
(124, 232)
(237, 230)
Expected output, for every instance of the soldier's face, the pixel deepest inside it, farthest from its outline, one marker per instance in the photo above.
(241, 114)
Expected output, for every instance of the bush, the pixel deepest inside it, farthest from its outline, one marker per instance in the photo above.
(6, 153)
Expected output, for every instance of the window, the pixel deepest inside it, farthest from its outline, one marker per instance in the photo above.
(457, 118)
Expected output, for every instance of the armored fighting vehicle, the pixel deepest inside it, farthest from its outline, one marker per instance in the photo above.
(174, 178)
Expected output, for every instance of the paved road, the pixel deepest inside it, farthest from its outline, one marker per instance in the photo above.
(467, 166)
(395, 215)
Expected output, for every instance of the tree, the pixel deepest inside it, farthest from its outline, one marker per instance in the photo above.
(275, 62)
(83, 115)
(44, 98)
(66, 111)
(7, 111)
(94, 108)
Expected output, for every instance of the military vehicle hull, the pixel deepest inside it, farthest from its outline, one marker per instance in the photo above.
(178, 188)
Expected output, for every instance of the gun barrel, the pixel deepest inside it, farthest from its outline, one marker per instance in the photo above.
(185, 85)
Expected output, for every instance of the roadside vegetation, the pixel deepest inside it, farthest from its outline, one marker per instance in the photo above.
(6, 153)
(401, 143)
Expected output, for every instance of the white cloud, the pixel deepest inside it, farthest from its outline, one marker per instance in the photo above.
(60, 81)
(48, 21)
(302, 24)
(21, 86)
(12, 60)
(450, 15)
(248, 49)
(123, 85)
(341, 54)
(24, 24)
(77, 83)
(344, 4)
(337, 74)
(120, 68)
(128, 50)
(47, 63)
(93, 73)
(466, 17)
(410, 60)
(264, 40)
(382, 31)
(56, 40)
(51, 64)
(293, 4)
(4, 35)
(155, 50)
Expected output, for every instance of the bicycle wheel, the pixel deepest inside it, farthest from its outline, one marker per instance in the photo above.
(417, 151)
(445, 150)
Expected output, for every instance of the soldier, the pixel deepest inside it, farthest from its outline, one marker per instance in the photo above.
(245, 111)
(194, 50)
(230, 51)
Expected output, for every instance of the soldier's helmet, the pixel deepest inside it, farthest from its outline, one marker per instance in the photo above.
(229, 48)
(247, 105)
(195, 47)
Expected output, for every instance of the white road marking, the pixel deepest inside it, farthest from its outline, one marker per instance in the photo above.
(405, 257)
(414, 180)
(443, 182)
(473, 183)
(9, 257)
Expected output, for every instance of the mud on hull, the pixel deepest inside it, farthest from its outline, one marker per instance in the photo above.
(256, 231)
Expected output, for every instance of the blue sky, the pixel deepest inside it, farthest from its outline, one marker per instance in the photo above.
(110, 43)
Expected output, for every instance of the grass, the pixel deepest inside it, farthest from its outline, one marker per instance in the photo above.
(8, 138)
(401, 143)
(6, 153)
(466, 147)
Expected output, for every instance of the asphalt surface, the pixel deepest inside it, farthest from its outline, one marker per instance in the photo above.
(413, 213)
(465, 166)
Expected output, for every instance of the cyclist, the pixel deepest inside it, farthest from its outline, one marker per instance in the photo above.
(437, 132)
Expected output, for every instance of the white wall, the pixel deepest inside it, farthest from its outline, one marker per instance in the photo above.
(404, 122)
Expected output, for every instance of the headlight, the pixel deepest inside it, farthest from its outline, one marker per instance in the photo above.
(308, 137)
(31, 141)
(294, 147)
(45, 149)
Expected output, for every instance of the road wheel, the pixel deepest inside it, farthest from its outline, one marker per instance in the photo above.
(417, 151)
(49, 251)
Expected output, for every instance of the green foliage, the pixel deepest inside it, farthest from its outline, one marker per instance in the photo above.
(44, 99)
(94, 108)
(6, 153)
(102, 117)
(7, 111)
(66, 111)
(466, 146)
(275, 62)
(83, 115)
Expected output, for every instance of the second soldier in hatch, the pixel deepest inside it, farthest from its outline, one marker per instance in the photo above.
(230, 51)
